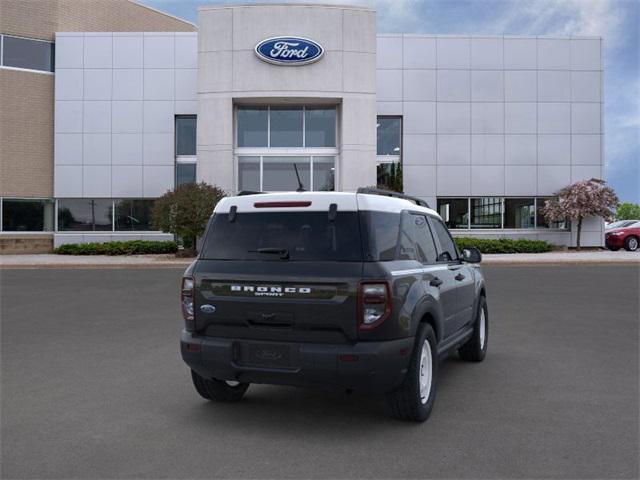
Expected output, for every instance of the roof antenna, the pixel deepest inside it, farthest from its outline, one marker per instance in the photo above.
(300, 185)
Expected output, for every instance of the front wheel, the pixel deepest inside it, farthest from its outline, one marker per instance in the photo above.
(218, 390)
(631, 244)
(476, 347)
(414, 398)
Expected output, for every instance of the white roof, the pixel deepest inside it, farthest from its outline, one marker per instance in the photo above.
(319, 201)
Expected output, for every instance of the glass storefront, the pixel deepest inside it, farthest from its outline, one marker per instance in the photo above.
(27, 215)
(495, 212)
(519, 213)
(85, 215)
(454, 212)
(285, 148)
(133, 215)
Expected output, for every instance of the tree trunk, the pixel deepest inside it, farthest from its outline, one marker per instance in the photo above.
(579, 230)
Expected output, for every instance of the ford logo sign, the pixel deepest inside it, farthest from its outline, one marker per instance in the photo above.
(206, 308)
(289, 51)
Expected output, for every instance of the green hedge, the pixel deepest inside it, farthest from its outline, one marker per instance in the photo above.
(131, 247)
(504, 245)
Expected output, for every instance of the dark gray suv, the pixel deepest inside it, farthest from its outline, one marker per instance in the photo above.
(359, 290)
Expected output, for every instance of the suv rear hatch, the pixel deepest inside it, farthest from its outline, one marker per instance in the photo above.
(281, 274)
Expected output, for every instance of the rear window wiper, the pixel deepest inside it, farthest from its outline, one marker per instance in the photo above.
(283, 252)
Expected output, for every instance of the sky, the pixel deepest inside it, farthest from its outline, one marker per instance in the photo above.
(617, 21)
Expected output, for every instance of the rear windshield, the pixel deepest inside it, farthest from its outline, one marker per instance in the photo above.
(279, 236)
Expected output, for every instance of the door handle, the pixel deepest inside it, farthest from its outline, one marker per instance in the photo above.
(436, 282)
(459, 277)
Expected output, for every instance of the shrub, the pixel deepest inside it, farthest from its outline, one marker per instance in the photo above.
(132, 247)
(504, 245)
(186, 211)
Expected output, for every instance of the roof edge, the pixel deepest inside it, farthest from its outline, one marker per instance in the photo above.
(137, 2)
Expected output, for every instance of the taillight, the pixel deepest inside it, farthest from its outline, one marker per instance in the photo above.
(186, 301)
(374, 304)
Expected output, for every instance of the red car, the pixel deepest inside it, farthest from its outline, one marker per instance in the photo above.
(627, 237)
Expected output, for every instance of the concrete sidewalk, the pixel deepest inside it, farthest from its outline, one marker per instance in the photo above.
(93, 261)
(170, 261)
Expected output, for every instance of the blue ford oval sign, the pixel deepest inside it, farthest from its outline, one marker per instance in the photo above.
(289, 51)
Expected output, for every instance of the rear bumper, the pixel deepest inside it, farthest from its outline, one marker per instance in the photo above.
(370, 366)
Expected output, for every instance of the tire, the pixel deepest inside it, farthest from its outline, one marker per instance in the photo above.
(475, 349)
(411, 401)
(218, 390)
(631, 243)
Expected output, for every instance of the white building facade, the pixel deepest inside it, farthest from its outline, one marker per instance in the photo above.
(483, 128)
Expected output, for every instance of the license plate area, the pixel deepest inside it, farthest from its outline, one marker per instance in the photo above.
(266, 355)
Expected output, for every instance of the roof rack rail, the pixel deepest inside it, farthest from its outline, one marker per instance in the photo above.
(248, 192)
(389, 193)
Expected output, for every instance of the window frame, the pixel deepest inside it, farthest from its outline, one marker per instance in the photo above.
(267, 151)
(22, 69)
(536, 228)
(29, 232)
(390, 159)
(439, 248)
(426, 216)
(268, 146)
(184, 159)
(261, 161)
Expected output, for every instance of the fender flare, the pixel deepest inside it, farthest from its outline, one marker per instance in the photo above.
(428, 307)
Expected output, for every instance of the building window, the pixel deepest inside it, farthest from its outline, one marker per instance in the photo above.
(253, 126)
(542, 222)
(272, 173)
(186, 135)
(27, 215)
(133, 215)
(283, 148)
(26, 53)
(389, 153)
(486, 212)
(86, 215)
(186, 160)
(454, 212)
(519, 213)
(320, 127)
(286, 127)
(496, 212)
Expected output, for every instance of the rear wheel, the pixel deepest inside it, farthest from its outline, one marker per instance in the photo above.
(414, 399)
(476, 347)
(631, 244)
(218, 390)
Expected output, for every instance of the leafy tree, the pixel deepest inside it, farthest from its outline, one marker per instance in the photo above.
(186, 210)
(628, 211)
(586, 198)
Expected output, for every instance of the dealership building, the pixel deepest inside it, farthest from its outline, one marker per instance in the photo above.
(109, 104)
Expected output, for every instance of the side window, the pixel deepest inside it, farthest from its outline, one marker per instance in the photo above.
(416, 242)
(447, 250)
(425, 239)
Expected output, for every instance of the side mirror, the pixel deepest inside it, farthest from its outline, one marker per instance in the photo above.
(471, 255)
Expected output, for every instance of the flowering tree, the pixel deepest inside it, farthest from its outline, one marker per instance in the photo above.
(186, 210)
(586, 198)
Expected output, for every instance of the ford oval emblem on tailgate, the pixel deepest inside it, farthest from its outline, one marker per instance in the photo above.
(206, 308)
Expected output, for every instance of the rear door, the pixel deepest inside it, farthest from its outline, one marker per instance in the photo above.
(460, 276)
(280, 276)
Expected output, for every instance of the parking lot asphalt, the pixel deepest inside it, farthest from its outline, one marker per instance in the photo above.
(93, 387)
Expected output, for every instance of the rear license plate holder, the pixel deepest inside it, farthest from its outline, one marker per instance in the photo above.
(268, 355)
